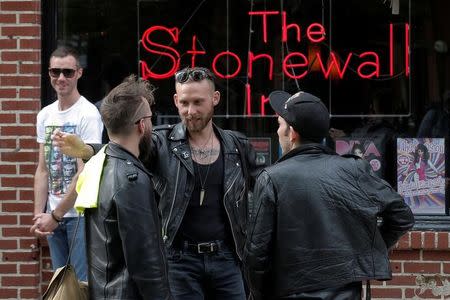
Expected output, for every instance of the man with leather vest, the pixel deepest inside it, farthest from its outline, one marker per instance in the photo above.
(125, 252)
(313, 232)
(202, 175)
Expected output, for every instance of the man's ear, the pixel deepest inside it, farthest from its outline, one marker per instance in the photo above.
(79, 72)
(175, 99)
(216, 98)
(294, 136)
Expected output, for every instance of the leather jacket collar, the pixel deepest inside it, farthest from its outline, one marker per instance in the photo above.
(312, 148)
(117, 151)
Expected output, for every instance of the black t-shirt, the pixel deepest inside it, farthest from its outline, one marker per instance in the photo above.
(206, 222)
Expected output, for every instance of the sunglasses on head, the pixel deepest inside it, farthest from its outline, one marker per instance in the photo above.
(193, 74)
(56, 72)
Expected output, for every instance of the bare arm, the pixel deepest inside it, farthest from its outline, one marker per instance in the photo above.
(40, 183)
(45, 223)
(72, 145)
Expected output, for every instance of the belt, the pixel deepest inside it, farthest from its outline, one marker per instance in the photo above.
(206, 247)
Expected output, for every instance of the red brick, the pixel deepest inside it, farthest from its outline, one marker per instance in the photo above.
(20, 6)
(8, 169)
(7, 118)
(29, 93)
(18, 130)
(421, 267)
(429, 240)
(19, 256)
(20, 80)
(30, 243)
(21, 56)
(404, 242)
(29, 293)
(8, 194)
(8, 43)
(396, 267)
(8, 269)
(19, 31)
(30, 18)
(436, 255)
(17, 231)
(18, 207)
(8, 293)
(27, 169)
(405, 255)
(17, 182)
(446, 266)
(8, 143)
(30, 69)
(19, 156)
(443, 241)
(402, 280)
(8, 219)
(29, 268)
(30, 44)
(46, 276)
(416, 240)
(26, 195)
(21, 105)
(28, 118)
(26, 220)
(416, 294)
(20, 280)
(28, 143)
(8, 93)
(8, 244)
(8, 68)
(386, 293)
(7, 18)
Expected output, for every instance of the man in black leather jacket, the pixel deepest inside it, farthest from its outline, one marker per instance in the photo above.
(125, 253)
(313, 233)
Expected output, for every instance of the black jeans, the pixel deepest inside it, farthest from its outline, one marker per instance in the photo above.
(198, 276)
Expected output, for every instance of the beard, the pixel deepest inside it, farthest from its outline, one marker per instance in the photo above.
(145, 147)
(197, 124)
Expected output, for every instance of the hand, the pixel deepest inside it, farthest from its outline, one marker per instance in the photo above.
(44, 225)
(336, 133)
(69, 144)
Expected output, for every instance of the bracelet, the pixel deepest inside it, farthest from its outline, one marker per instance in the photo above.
(55, 218)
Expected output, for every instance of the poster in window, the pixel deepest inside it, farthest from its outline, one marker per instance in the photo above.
(369, 149)
(421, 174)
(262, 148)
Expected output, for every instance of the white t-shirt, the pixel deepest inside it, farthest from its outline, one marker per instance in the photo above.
(82, 119)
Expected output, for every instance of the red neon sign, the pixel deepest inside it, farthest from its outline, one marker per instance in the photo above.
(295, 65)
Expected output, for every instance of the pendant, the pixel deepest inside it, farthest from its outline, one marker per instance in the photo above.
(202, 196)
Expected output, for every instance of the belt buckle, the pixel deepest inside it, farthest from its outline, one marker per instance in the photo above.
(210, 245)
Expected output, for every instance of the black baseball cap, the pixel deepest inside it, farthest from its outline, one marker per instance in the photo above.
(304, 112)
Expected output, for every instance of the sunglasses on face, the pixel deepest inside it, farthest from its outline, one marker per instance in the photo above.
(193, 74)
(56, 72)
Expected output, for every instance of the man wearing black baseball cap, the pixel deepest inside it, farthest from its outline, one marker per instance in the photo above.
(313, 233)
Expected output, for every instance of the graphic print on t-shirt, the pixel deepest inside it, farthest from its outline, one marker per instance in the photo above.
(61, 167)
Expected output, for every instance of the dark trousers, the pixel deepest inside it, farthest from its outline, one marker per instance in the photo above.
(198, 276)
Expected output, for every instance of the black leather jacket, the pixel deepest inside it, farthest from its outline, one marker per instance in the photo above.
(173, 176)
(314, 224)
(123, 234)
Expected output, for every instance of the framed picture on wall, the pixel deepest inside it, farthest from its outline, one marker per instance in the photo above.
(421, 174)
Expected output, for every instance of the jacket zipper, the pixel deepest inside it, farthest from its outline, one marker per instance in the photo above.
(164, 231)
(228, 215)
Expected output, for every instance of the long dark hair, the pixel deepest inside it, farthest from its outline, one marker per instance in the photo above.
(426, 154)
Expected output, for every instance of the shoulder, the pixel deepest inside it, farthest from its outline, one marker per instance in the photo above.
(46, 111)
(88, 107)
(162, 128)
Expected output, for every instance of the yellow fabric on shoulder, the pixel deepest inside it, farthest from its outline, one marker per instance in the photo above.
(88, 182)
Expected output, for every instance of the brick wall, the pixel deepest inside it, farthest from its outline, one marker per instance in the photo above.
(20, 45)
(420, 262)
(421, 268)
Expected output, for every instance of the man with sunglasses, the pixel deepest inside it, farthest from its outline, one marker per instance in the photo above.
(201, 174)
(72, 113)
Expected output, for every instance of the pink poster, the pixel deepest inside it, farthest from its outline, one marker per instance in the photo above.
(421, 174)
(369, 149)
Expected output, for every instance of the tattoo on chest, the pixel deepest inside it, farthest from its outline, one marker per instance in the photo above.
(206, 155)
